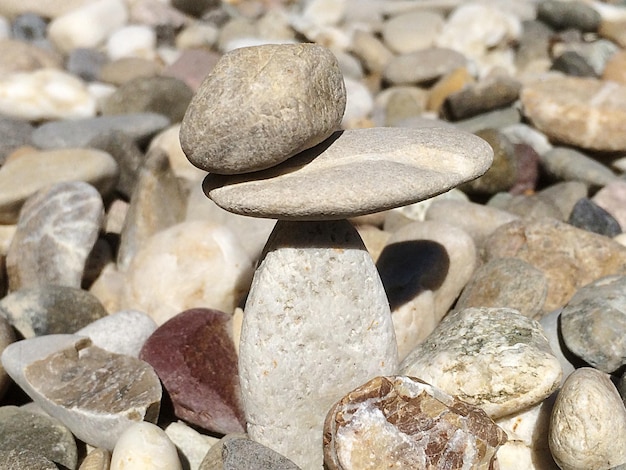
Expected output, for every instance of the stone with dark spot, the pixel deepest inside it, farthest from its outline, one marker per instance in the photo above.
(96, 394)
(195, 358)
(50, 309)
(403, 422)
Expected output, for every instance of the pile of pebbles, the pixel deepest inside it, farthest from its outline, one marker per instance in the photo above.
(411, 254)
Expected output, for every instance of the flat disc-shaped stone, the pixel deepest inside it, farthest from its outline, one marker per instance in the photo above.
(356, 172)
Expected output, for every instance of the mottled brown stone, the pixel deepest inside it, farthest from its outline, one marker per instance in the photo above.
(402, 422)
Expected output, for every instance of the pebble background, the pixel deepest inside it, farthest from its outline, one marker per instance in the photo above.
(122, 284)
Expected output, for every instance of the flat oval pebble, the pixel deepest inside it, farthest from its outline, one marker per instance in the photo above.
(588, 423)
(96, 394)
(144, 446)
(261, 105)
(45, 94)
(80, 132)
(18, 181)
(582, 112)
(356, 172)
(567, 164)
(50, 309)
(194, 356)
(21, 429)
(422, 66)
(403, 422)
(57, 229)
(494, 358)
(593, 323)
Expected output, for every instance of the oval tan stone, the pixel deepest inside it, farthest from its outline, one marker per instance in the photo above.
(356, 172)
(584, 112)
(261, 105)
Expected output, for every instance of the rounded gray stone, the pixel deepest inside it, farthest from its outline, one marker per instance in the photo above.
(317, 324)
(22, 459)
(423, 66)
(261, 105)
(593, 323)
(245, 453)
(356, 172)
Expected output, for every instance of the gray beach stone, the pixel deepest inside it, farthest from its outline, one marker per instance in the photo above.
(588, 423)
(422, 66)
(491, 120)
(96, 394)
(57, 229)
(213, 458)
(245, 453)
(494, 358)
(22, 459)
(411, 31)
(356, 172)
(316, 325)
(13, 134)
(80, 132)
(551, 324)
(593, 323)
(565, 195)
(566, 164)
(25, 430)
(526, 206)
(18, 181)
(587, 215)
(262, 105)
(562, 15)
(484, 96)
(50, 309)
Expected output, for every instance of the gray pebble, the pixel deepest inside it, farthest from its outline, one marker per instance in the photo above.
(13, 133)
(245, 453)
(29, 27)
(587, 215)
(568, 14)
(567, 164)
(85, 63)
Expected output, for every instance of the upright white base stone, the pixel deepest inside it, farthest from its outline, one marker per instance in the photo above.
(317, 324)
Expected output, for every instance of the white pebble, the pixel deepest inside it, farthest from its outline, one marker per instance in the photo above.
(359, 101)
(145, 446)
(132, 41)
(89, 25)
(45, 94)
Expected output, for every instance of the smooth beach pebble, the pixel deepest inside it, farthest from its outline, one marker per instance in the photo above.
(144, 446)
(262, 105)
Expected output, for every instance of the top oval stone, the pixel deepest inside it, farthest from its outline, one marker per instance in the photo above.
(261, 105)
(356, 172)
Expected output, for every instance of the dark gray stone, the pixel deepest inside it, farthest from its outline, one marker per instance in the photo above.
(195, 7)
(24, 430)
(593, 323)
(482, 97)
(158, 201)
(50, 309)
(24, 460)
(565, 14)
(167, 96)
(29, 27)
(13, 133)
(85, 63)
(587, 215)
(80, 132)
(245, 453)
(56, 231)
(572, 63)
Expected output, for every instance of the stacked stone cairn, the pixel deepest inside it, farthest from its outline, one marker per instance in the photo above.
(317, 322)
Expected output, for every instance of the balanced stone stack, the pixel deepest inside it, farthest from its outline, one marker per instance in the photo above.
(317, 321)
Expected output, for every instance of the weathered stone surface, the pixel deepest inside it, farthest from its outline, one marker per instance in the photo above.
(144, 445)
(584, 112)
(50, 309)
(563, 15)
(494, 358)
(568, 256)
(97, 459)
(194, 356)
(80, 132)
(588, 423)
(262, 105)
(56, 231)
(482, 97)
(188, 265)
(24, 430)
(245, 453)
(123, 332)
(422, 66)
(157, 202)
(213, 458)
(25, 460)
(506, 282)
(593, 323)
(423, 267)
(96, 394)
(316, 324)
(18, 181)
(404, 422)
(587, 215)
(356, 172)
(192, 446)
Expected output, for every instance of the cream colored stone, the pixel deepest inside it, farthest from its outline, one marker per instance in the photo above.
(145, 446)
(192, 264)
(374, 239)
(108, 287)
(189, 442)
(588, 423)
(169, 142)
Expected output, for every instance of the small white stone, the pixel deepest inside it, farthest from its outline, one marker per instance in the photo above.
(588, 424)
(132, 41)
(190, 442)
(145, 446)
(198, 34)
(45, 94)
(123, 332)
(324, 12)
(359, 101)
(89, 25)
